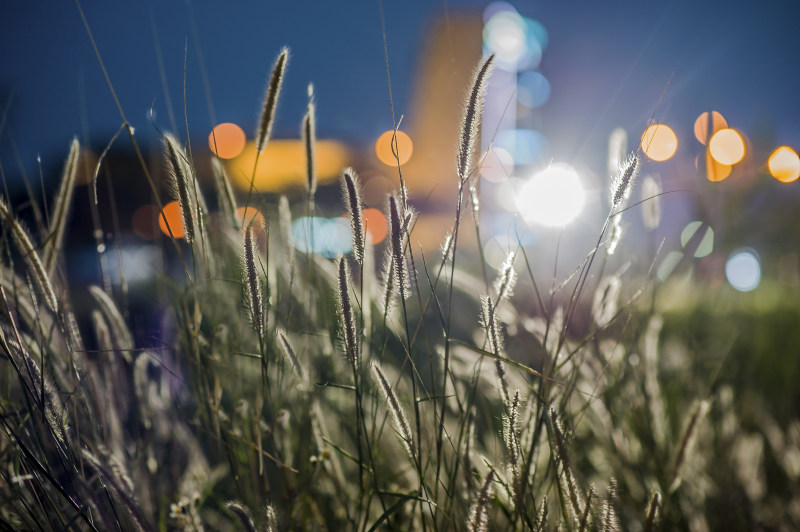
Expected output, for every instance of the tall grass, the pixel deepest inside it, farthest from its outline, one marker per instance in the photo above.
(299, 392)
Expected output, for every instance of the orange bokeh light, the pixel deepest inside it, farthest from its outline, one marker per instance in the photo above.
(659, 142)
(784, 164)
(246, 215)
(172, 212)
(727, 146)
(715, 170)
(375, 225)
(383, 148)
(226, 140)
(712, 121)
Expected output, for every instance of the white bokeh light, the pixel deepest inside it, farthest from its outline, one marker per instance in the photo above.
(743, 270)
(504, 34)
(552, 197)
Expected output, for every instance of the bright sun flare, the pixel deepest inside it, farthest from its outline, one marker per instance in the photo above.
(552, 197)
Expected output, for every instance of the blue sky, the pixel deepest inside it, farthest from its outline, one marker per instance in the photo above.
(608, 63)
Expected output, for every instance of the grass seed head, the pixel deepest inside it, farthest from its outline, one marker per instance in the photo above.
(470, 124)
(271, 100)
(351, 190)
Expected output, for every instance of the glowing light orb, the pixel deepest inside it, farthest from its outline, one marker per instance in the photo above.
(172, 212)
(701, 237)
(247, 216)
(552, 197)
(743, 270)
(659, 142)
(383, 148)
(144, 222)
(329, 237)
(784, 164)
(227, 140)
(727, 146)
(715, 170)
(504, 34)
(707, 124)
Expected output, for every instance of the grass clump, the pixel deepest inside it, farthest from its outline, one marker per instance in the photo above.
(256, 413)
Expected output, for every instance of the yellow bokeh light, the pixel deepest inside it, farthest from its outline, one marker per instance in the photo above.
(707, 124)
(283, 164)
(172, 212)
(727, 146)
(784, 164)
(659, 142)
(383, 148)
(715, 170)
(227, 140)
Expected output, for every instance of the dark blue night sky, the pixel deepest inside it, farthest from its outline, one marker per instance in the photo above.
(608, 63)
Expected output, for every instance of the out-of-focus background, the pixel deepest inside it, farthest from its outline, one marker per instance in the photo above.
(576, 87)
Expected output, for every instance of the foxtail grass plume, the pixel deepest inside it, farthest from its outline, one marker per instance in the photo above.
(351, 190)
(506, 278)
(120, 334)
(181, 183)
(606, 299)
(288, 350)
(541, 517)
(687, 443)
(61, 208)
(401, 424)
(397, 237)
(511, 441)
(271, 100)
(252, 281)
(586, 516)
(608, 515)
(653, 518)
(349, 330)
(651, 206)
(470, 124)
(309, 135)
(272, 519)
(623, 183)
(495, 341)
(32, 260)
(225, 197)
(241, 513)
(561, 456)
(479, 512)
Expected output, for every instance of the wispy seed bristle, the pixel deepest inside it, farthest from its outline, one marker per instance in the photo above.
(35, 266)
(252, 281)
(479, 513)
(623, 184)
(238, 509)
(61, 208)
(507, 278)
(309, 135)
(351, 189)
(397, 238)
(402, 426)
(349, 334)
(271, 100)
(181, 183)
(472, 117)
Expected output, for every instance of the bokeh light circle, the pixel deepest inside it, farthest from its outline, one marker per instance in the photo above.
(707, 124)
(497, 165)
(743, 270)
(172, 212)
(227, 140)
(383, 148)
(701, 237)
(375, 224)
(246, 216)
(552, 197)
(784, 164)
(727, 146)
(659, 142)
